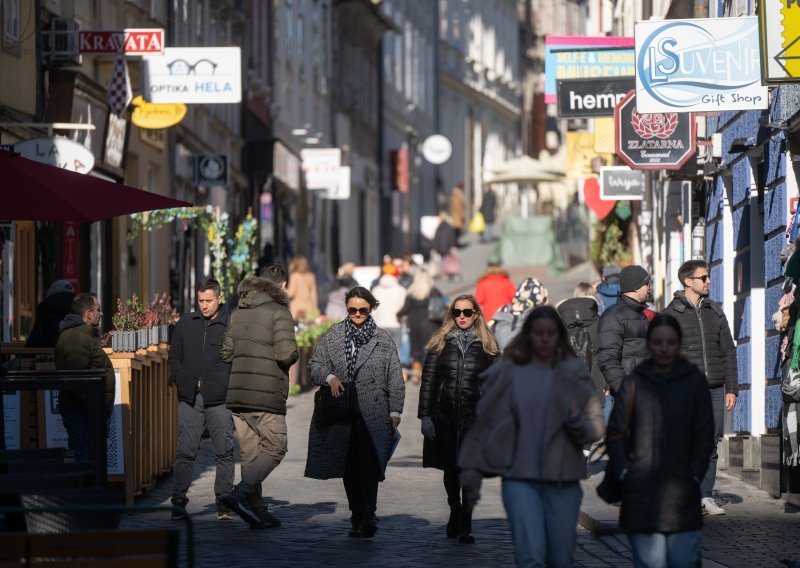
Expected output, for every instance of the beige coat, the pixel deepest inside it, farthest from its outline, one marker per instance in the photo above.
(458, 208)
(302, 291)
(489, 447)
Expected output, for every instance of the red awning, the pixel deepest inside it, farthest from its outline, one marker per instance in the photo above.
(32, 191)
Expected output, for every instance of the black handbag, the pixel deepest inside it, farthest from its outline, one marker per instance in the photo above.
(329, 409)
(610, 489)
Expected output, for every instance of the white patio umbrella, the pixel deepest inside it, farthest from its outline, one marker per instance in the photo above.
(523, 169)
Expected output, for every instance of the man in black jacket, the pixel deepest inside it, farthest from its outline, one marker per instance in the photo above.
(201, 378)
(708, 344)
(622, 330)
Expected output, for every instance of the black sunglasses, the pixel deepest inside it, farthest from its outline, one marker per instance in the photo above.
(354, 311)
(468, 313)
(704, 278)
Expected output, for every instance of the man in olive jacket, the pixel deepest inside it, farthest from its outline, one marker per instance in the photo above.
(708, 344)
(78, 348)
(260, 345)
(622, 329)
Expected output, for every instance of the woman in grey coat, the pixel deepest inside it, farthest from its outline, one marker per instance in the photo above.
(356, 351)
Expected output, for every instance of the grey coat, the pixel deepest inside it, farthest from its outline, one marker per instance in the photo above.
(380, 387)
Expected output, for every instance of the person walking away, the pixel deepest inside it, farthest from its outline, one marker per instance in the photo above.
(407, 269)
(357, 354)
(50, 312)
(78, 348)
(538, 410)
(622, 328)
(391, 297)
(302, 289)
(261, 347)
(201, 379)
(489, 212)
(580, 315)
(458, 210)
(443, 244)
(659, 441)
(709, 346)
(493, 290)
(335, 309)
(508, 320)
(417, 314)
(458, 353)
(608, 289)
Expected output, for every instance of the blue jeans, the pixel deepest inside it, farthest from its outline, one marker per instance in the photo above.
(76, 422)
(673, 550)
(608, 405)
(543, 517)
(718, 410)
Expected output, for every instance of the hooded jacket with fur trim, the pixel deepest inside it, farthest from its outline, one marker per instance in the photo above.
(260, 345)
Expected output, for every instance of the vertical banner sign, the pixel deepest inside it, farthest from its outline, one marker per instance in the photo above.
(779, 26)
(699, 65)
(119, 94)
(581, 57)
(70, 261)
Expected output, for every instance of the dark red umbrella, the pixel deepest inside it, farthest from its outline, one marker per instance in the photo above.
(32, 191)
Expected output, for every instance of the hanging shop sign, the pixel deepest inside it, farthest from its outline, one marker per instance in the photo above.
(144, 41)
(604, 134)
(779, 27)
(591, 97)
(156, 115)
(341, 191)
(621, 183)
(321, 167)
(655, 141)
(198, 75)
(211, 169)
(398, 170)
(699, 65)
(437, 149)
(59, 152)
(580, 57)
(580, 154)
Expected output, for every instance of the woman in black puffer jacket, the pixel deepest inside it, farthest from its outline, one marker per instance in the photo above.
(457, 354)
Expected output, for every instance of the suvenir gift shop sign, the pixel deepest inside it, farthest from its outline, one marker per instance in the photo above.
(130, 41)
(580, 57)
(655, 141)
(702, 65)
(621, 183)
(591, 97)
(194, 75)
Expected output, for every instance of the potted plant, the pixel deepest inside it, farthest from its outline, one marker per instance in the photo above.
(165, 315)
(128, 322)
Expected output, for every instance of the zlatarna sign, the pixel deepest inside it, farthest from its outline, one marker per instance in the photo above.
(702, 65)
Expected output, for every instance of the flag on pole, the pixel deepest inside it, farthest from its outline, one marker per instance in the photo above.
(119, 94)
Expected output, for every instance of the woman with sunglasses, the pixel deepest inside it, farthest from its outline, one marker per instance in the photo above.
(355, 353)
(458, 353)
(538, 411)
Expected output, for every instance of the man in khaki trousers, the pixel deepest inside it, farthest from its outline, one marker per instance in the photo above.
(261, 347)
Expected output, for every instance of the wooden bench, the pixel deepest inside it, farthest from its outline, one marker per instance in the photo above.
(150, 548)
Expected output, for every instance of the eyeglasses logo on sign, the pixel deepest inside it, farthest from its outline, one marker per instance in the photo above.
(685, 65)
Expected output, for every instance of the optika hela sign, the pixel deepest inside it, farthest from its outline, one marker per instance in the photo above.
(699, 65)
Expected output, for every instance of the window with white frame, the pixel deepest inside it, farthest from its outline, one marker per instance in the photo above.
(11, 23)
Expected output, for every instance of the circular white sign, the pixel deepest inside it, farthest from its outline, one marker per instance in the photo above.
(437, 149)
(59, 152)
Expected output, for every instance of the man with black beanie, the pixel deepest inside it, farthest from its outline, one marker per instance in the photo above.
(622, 329)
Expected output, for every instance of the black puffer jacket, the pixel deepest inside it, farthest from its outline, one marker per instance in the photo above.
(670, 441)
(449, 394)
(582, 312)
(621, 340)
(194, 354)
(49, 314)
(707, 340)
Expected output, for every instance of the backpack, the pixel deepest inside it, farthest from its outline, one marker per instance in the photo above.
(437, 307)
(581, 341)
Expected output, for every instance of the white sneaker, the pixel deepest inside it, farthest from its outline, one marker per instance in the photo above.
(710, 507)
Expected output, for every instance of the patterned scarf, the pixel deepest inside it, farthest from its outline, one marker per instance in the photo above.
(354, 338)
(463, 338)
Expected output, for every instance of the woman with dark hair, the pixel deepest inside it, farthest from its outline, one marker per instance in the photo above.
(356, 354)
(538, 411)
(458, 353)
(660, 438)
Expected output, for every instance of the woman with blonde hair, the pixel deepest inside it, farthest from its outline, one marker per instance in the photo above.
(417, 312)
(458, 353)
(302, 289)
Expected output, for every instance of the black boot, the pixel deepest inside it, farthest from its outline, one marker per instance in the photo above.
(465, 535)
(454, 522)
(355, 526)
(369, 524)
